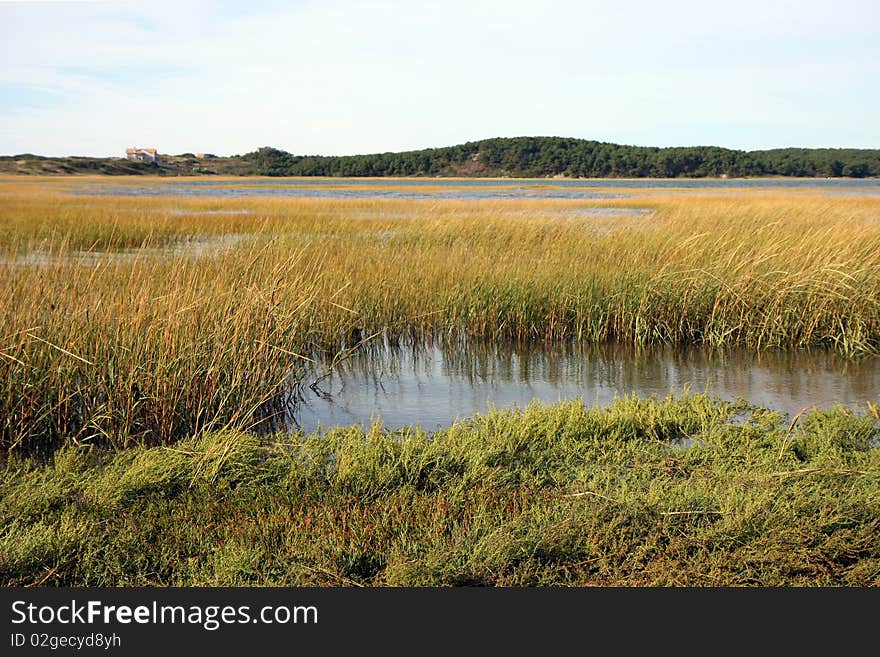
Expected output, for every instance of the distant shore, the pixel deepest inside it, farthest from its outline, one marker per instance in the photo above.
(518, 157)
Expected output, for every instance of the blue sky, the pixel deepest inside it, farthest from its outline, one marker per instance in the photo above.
(330, 77)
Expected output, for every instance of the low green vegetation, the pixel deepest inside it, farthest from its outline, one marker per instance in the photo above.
(30, 164)
(528, 157)
(684, 491)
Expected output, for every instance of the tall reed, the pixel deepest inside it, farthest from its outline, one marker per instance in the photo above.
(106, 337)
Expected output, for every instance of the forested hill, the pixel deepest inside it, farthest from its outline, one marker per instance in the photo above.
(530, 157)
(526, 157)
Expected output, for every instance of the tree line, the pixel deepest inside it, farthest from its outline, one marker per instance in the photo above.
(520, 157)
(530, 157)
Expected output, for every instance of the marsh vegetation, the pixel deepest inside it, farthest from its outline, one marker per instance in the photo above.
(133, 378)
(154, 347)
(685, 492)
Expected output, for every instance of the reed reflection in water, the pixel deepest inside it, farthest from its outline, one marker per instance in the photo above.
(433, 386)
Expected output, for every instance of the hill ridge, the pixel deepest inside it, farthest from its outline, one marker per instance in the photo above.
(520, 157)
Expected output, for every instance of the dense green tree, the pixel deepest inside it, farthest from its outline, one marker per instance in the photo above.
(517, 156)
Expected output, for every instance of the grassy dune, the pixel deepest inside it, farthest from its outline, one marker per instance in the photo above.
(104, 338)
(684, 492)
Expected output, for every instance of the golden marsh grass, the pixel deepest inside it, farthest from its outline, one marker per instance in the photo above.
(152, 348)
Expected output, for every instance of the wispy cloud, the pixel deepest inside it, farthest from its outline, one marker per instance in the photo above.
(344, 77)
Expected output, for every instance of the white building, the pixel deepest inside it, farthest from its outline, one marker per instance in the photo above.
(142, 154)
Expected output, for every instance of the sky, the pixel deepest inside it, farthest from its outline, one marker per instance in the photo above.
(330, 77)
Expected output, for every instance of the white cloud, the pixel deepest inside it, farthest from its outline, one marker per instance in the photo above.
(346, 77)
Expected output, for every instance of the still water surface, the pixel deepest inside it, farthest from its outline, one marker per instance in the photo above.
(434, 386)
(465, 189)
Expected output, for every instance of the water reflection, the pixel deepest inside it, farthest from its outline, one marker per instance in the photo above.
(461, 189)
(197, 190)
(435, 385)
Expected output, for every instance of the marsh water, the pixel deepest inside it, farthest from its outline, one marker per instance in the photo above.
(469, 189)
(435, 385)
